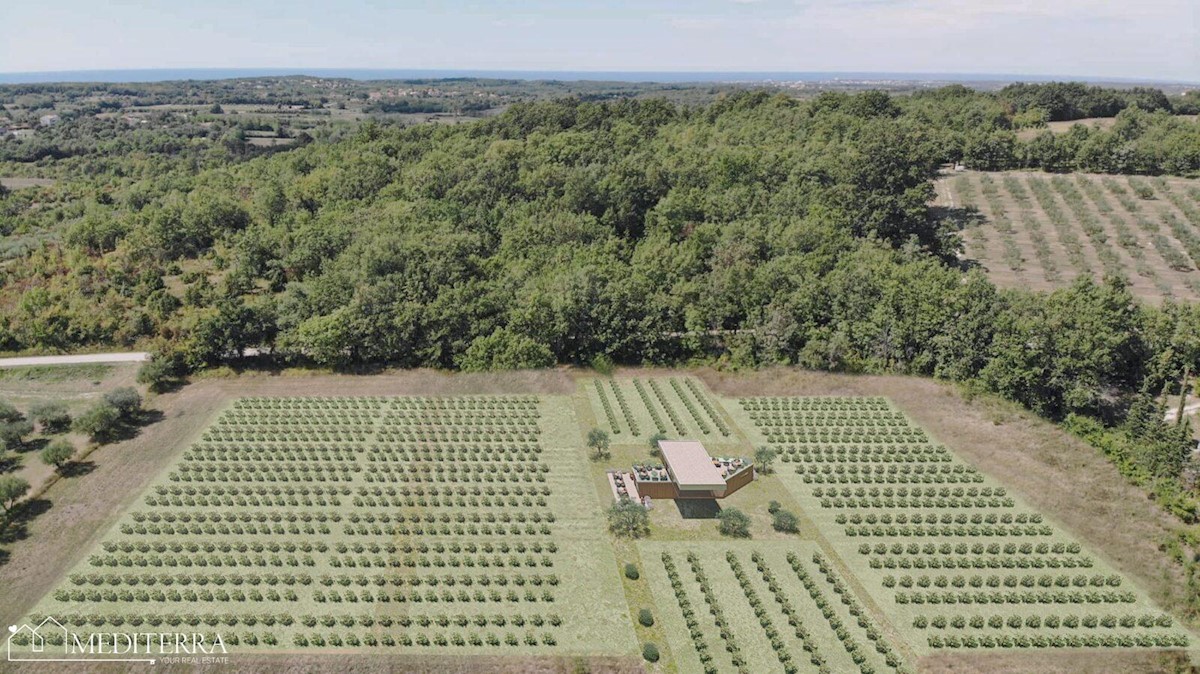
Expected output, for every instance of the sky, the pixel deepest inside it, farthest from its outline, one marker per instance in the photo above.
(1142, 39)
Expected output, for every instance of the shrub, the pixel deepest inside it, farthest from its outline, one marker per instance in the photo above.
(52, 416)
(645, 618)
(602, 364)
(785, 521)
(650, 653)
(734, 522)
(631, 571)
(774, 507)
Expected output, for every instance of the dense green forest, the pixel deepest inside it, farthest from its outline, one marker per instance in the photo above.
(756, 229)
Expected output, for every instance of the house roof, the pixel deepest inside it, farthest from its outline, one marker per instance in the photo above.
(691, 465)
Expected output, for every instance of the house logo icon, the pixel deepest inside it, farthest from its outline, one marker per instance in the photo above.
(36, 635)
(51, 641)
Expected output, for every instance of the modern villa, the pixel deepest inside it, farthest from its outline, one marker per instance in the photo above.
(687, 472)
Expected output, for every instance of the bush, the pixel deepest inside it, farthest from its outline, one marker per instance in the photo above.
(650, 653)
(734, 523)
(602, 364)
(645, 618)
(57, 453)
(774, 507)
(631, 571)
(126, 400)
(785, 521)
(52, 416)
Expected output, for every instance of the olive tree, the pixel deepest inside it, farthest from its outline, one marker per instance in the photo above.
(12, 488)
(629, 519)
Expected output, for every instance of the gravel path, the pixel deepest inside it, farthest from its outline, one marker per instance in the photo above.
(25, 361)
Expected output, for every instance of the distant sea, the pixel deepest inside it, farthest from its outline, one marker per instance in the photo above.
(162, 75)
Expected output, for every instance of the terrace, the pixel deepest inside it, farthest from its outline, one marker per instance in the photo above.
(688, 471)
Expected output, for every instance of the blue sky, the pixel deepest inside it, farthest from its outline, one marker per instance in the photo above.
(1123, 38)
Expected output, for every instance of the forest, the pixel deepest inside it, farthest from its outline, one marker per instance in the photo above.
(752, 230)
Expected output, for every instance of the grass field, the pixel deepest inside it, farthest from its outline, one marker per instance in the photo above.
(471, 526)
(1040, 231)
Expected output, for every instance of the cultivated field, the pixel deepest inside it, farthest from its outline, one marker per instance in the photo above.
(1040, 231)
(418, 524)
(21, 183)
(1090, 122)
(439, 523)
(950, 557)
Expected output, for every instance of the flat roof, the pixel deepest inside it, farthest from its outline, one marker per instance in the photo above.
(691, 465)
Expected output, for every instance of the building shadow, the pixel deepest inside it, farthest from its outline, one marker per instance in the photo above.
(698, 508)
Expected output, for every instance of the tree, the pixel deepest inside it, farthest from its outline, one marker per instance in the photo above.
(126, 400)
(101, 423)
(505, 350)
(629, 519)
(52, 416)
(785, 521)
(57, 453)
(763, 458)
(8, 413)
(734, 522)
(12, 488)
(653, 442)
(163, 371)
(12, 433)
(598, 442)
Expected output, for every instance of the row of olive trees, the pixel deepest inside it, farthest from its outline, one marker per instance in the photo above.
(108, 420)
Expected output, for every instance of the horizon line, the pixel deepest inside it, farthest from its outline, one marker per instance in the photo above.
(533, 74)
